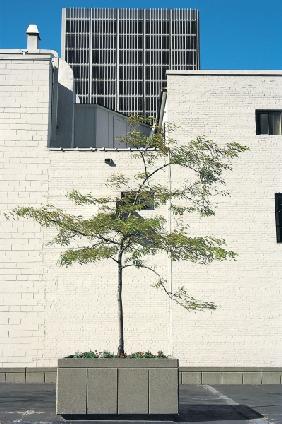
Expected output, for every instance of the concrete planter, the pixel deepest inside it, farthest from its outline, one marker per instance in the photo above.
(117, 386)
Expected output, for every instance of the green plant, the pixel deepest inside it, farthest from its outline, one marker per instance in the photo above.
(106, 354)
(92, 354)
(118, 232)
(148, 354)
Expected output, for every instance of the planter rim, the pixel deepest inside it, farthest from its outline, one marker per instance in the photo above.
(118, 363)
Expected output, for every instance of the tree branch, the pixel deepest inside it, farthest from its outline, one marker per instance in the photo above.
(180, 297)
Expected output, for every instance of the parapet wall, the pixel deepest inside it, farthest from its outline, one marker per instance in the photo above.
(187, 375)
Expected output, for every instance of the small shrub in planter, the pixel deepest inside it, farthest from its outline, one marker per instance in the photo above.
(105, 354)
(119, 232)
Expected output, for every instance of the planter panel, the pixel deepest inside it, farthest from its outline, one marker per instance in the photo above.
(102, 391)
(163, 396)
(71, 391)
(132, 391)
(117, 386)
(117, 363)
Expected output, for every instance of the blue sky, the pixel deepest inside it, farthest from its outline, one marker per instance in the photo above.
(235, 34)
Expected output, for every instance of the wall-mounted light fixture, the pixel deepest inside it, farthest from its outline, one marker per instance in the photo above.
(110, 162)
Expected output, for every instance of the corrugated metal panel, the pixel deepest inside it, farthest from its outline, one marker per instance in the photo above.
(95, 126)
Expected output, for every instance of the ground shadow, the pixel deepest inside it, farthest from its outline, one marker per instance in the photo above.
(188, 413)
(121, 417)
(202, 413)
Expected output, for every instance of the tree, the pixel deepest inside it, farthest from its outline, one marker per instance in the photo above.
(118, 231)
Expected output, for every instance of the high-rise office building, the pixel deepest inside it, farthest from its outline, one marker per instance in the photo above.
(120, 56)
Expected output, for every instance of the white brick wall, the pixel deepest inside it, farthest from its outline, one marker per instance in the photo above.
(47, 311)
(24, 99)
(246, 328)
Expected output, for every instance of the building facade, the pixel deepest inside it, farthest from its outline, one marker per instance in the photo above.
(120, 56)
(47, 312)
(228, 106)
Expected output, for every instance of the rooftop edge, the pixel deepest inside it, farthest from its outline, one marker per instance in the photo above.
(27, 53)
(225, 72)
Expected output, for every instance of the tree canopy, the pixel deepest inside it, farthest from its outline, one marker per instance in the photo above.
(120, 232)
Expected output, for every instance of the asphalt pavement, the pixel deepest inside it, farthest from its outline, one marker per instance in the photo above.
(229, 404)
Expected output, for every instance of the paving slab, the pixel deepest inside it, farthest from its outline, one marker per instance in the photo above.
(217, 404)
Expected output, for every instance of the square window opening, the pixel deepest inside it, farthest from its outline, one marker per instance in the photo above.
(268, 122)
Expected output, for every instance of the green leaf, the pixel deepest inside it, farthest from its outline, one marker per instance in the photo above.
(87, 254)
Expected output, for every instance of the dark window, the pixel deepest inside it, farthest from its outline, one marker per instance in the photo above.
(76, 71)
(140, 104)
(165, 57)
(165, 41)
(147, 73)
(69, 26)
(148, 27)
(100, 101)
(278, 216)
(140, 41)
(122, 101)
(193, 27)
(70, 40)
(268, 122)
(98, 87)
(191, 42)
(164, 69)
(190, 57)
(148, 103)
(165, 27)
(140, 57)
(140, 26)
(140, 72)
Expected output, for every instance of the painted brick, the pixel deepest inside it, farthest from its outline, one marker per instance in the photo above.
(244, 331)
(72, 301)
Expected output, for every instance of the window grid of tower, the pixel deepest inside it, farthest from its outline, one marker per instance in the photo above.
(120, 56)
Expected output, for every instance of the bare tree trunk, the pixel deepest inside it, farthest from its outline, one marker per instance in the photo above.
(120, 311)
